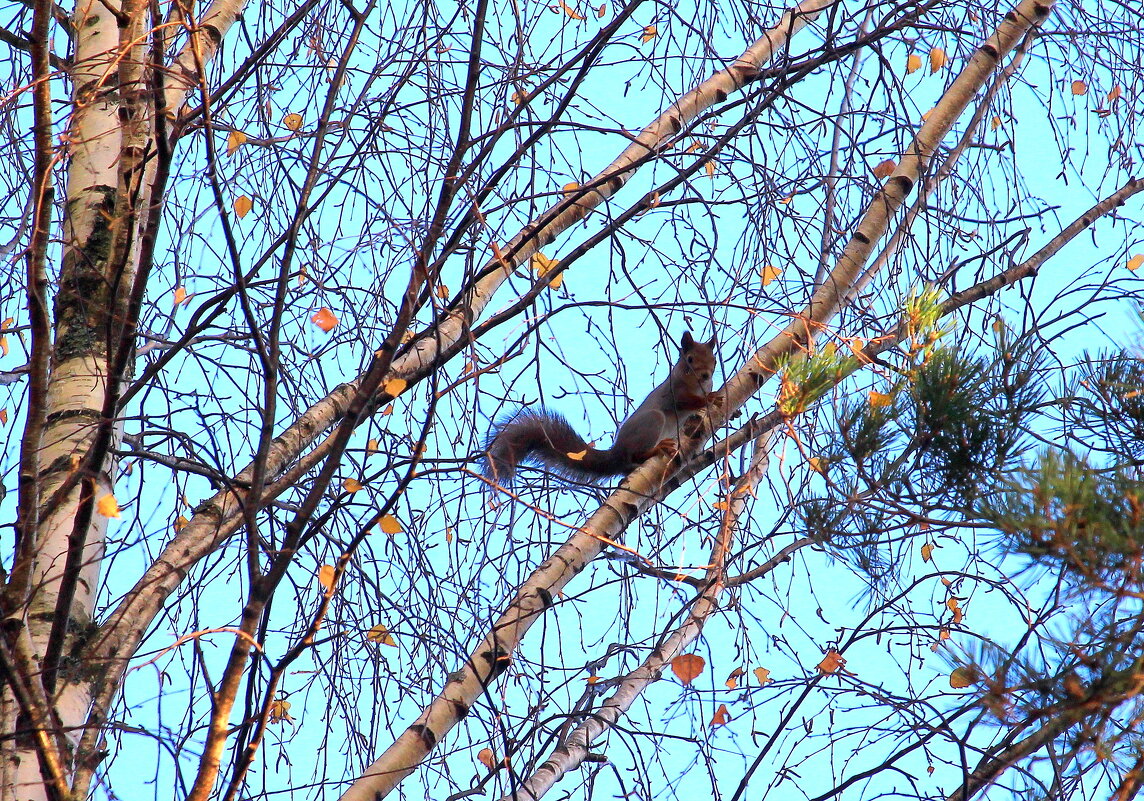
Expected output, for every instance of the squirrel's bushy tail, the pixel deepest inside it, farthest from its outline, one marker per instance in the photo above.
(538, 436)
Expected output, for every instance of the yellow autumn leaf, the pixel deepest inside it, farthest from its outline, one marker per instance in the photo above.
(762, 675)
(880, 399)
(733, 678)
(326, 576)
(3, 345)
(1114, 94)
(601, 11)
(937, 60)
(1079, 88)
(542, 264)
(280, 711)
(570, 189)
(242, 206)
(324, 319)
(927, 552)
(994, 123)
(955, 608)
(769, 273)
(1135, 262)
(351, 485)
(578, 456)
(394, 386)
(234, 141)
(963, 677)
(649, 33)
(913, 63)
(380, 634)
(292, 121)
(817, 464)
(180, 294)
(709, 166)
(372, 446)
(443, 291)
(518, 97)
(926, 116)
(108, 506)
(180, 523)
(390, 525)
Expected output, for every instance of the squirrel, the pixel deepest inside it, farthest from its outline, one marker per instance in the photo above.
(540, 436)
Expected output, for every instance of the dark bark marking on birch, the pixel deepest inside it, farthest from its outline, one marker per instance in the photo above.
(424, 734)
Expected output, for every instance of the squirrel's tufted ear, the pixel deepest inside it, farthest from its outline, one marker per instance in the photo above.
(686, 342)
(711, 343)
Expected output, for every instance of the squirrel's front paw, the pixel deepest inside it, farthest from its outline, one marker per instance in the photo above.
(715, 399)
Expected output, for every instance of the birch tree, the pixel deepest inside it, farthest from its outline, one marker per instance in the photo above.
(273, 271)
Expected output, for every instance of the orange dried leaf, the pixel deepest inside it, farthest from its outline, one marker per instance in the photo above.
(769, 273)
(395, 386)
(1079, 88)
(234, 140)
(688, 667)
(927, 552)
(292, 121)
(3, 345)
(578, 456)
(885, 169)
(108, 506)
(721, 717)
(763, 675)
(324, 319)
(937, 60)
(570, 189)
(443, 291)
(709, 166)
(180, 295)
(485, 757)
(831, 663)
(1135, 262)
(326, 577)
(372, 446)
(351, 485)
(390, 525)
(733, 678)
(180, 523)
(649, 33)
(601, 11)
(518, 97)
(242, 206)
(994, 123)
(817, 464)
(913, 63)
(1114, 94)
(380, 634)
(570, 12)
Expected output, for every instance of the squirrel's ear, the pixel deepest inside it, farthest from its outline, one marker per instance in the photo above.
(686, 342)
(711, 343)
